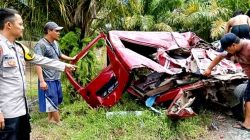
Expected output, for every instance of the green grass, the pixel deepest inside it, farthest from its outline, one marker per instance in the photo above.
(82, 123)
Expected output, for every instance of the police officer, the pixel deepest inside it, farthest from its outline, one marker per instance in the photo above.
(14, 118)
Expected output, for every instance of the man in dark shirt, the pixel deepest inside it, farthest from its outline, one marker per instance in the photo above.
(49, 85)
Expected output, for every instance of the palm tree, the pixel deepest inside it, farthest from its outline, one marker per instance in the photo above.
(33, 13)
(162, 15)
(78, 13)
(198, 17)
(142, 15)
(235, 4)
(69, 13)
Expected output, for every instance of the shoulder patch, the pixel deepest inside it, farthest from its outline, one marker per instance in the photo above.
(28, 54)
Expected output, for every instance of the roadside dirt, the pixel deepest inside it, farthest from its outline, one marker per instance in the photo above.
(221, 128)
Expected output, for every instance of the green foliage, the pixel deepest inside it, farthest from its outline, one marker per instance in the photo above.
(142, 15)
(33, 16)
(88, 66)
(198, 17)
(70, 42)
(162, 27)
(147, 23)
(218, 28)
(67, 13)
(235, 4)
(146, 15)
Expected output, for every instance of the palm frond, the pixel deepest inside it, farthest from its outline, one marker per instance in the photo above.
(162, 27)
(4, 4)
(147, 23)
(218, 28)
(234, 5)
(64, 11)
(131, 22)
(135, 7)
(216, 11)
(192, 7)
(154, 5)
(176, 18)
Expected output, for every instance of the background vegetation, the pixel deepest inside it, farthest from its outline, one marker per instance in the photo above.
(204, 17)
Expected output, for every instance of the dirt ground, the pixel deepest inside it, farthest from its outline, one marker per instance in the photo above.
(221, 128)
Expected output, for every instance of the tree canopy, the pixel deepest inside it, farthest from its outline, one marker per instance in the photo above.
(206, 18)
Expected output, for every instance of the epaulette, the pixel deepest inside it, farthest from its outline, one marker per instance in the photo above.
(28, 54)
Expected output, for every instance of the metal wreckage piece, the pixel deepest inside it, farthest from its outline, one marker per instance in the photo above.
(164, 68)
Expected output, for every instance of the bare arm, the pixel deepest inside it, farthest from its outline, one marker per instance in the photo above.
(43, 84)
(65, 57)
(2, 124)
(216, 61)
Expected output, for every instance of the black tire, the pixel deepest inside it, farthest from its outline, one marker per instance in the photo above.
(238, 110)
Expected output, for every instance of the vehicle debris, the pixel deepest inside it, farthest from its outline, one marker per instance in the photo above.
(123, 113)
(165, 65)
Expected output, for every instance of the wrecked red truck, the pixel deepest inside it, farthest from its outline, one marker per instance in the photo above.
(160, 68)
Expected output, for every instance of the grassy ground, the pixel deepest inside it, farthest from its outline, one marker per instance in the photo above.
(80, 123)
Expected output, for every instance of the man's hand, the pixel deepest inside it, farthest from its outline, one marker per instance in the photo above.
(73, 58)
(2, 125)
(207, 72)
(70, 67)
(43, 85)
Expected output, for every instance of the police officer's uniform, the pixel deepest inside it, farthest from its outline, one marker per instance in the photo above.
(13, 103)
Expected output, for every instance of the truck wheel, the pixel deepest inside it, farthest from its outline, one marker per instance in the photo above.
(238, 110)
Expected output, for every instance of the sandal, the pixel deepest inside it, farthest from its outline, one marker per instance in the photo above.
(241, 126)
